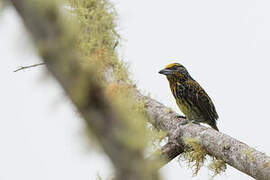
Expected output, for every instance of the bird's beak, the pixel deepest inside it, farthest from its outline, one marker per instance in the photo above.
(166, 71)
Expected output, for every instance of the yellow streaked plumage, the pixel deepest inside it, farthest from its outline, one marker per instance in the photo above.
(190, 97)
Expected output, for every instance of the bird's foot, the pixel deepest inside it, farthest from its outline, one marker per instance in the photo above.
(182, 117)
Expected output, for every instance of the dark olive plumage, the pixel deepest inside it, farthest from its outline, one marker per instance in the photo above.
(190, 97)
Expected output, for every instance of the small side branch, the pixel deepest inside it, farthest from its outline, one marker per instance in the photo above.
(26, 67)
(167, 153)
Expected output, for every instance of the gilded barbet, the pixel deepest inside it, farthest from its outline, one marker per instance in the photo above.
(190, 97)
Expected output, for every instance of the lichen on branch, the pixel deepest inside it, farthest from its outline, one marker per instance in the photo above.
(76, 54)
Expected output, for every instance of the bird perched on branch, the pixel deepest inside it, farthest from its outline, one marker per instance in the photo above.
(190, 97)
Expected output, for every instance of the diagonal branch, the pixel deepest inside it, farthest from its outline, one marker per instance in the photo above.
(235, 153)
(57, 48)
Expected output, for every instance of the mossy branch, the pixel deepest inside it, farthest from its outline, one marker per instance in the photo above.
(55, 39)
(223, 147)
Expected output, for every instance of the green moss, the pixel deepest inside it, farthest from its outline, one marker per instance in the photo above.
(93, 45)
(98, 36)
(121, 72)
(194, 154)
(217, 166)
(97, 39)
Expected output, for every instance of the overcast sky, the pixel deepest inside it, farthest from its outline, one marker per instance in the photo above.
(223, 44)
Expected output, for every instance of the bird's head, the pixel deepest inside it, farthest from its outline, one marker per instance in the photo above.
(175, 70)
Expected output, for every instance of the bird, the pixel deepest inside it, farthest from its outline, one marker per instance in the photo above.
(190, 97)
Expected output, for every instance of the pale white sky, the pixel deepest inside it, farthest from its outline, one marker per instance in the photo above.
(224, 45)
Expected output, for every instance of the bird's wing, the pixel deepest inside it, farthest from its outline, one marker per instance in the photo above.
(199, 98)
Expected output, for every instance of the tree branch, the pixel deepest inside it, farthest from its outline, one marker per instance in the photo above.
(57, 47)
(235, 153)
(26, 67)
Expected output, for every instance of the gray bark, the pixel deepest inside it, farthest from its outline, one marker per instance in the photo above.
(235, 153)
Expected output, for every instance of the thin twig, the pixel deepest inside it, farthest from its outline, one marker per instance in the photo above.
(26, 67)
